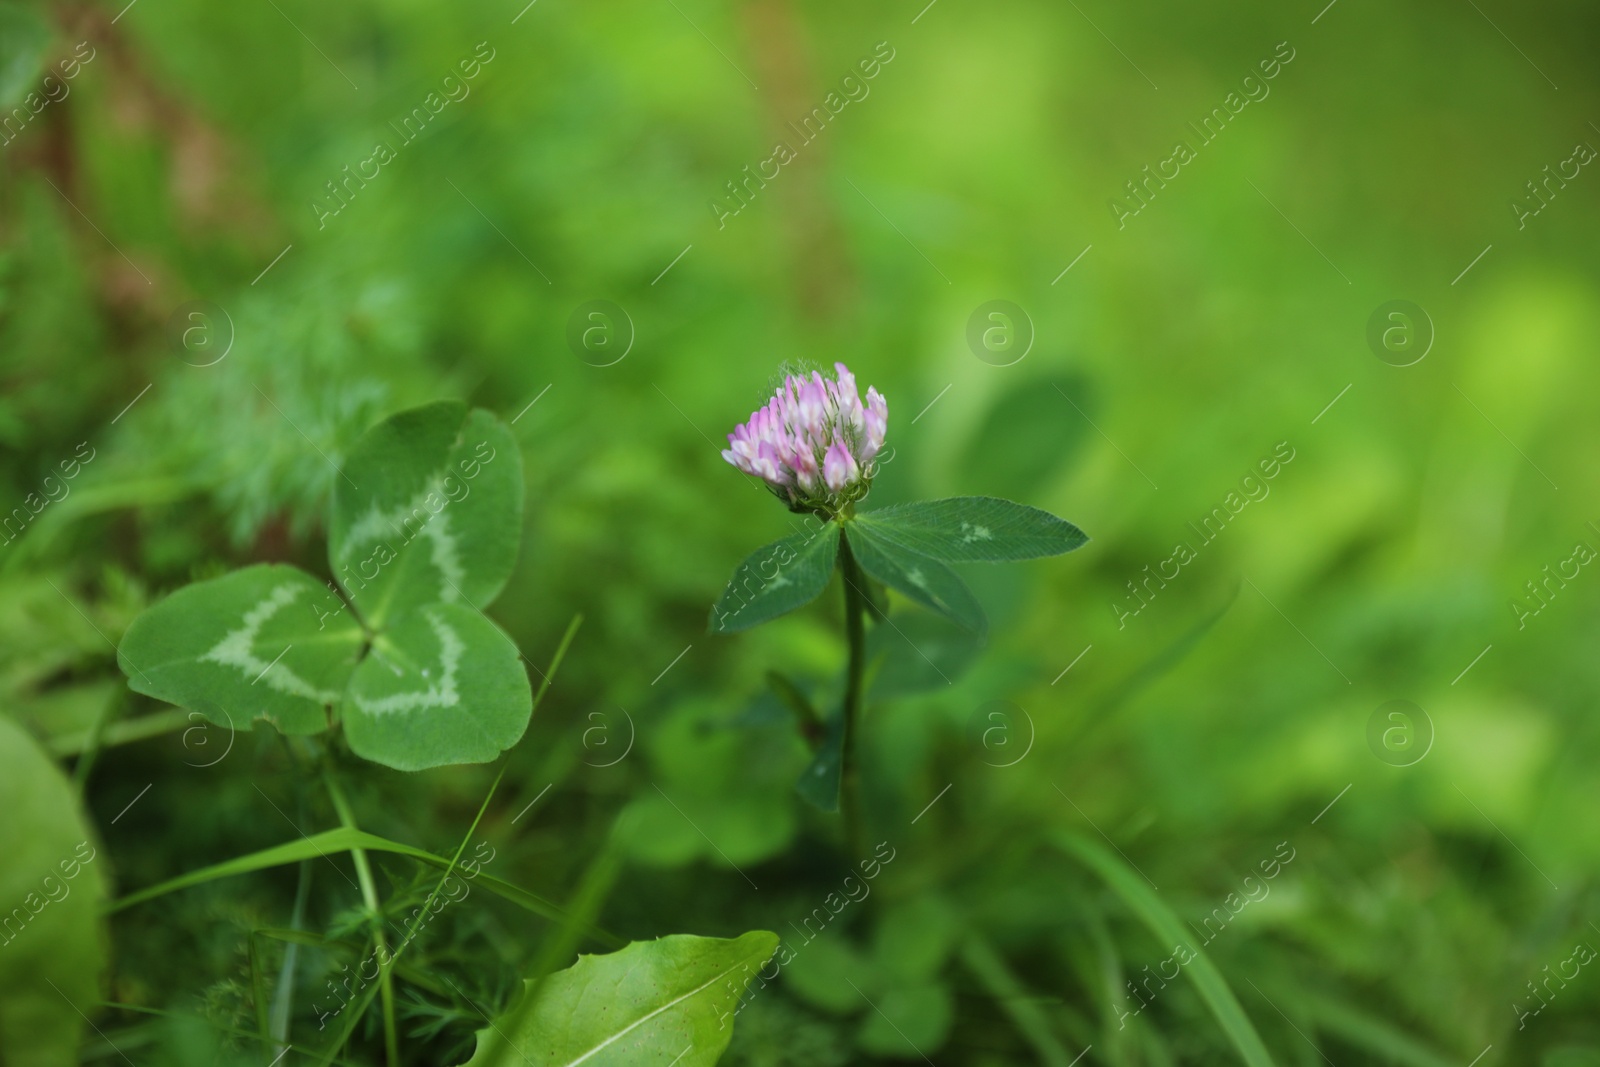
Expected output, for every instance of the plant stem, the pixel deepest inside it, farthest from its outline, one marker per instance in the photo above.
(855, 607)
(369, 894)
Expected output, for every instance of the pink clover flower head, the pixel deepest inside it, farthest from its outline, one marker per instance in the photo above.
(815, 442)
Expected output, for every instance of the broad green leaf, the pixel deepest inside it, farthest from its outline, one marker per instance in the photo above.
(922, 578)
(776, 579)
(267, 642)
(52, 940)
(1169, 930)
(973, 529)
(443, 685)
(671, 1000)
(428, 509)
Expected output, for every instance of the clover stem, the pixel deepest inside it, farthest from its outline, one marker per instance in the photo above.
(369, 896)
(855, 606)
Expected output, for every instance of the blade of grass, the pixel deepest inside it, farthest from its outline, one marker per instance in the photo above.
(369, 896)
(555, 663)
(258, 991)
(1356, 1027)
(1015, 999)
(283, 1000)
(416, 922)
(343, 839)
(1169, 930)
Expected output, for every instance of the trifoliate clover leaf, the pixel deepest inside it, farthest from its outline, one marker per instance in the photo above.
(425, 532)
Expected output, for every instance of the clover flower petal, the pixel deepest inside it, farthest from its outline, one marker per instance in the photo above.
(814, 443)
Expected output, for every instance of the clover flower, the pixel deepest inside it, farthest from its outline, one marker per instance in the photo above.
(815, 442)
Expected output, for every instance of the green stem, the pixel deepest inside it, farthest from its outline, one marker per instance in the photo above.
(855, 608)
(369, 895)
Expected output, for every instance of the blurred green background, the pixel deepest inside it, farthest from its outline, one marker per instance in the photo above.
(1440, 873)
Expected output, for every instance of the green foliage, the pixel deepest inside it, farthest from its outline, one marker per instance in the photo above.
(922, 578)
(699, 756)
(820, 782)
(52, 935)
(442, 685)
(969, 529)
(895, 985)
(428, 680)
(776, 579)
(1169, 930)
(431, 501)
(1230, 314)
(903, 547)
(324, 844)
(269, 642)
(632, 1007)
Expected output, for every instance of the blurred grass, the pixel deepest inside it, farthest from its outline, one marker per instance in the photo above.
(1221, 321)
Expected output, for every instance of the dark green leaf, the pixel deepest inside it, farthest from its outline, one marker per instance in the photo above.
(968, 529)
(52, 941)
(428, 509)
(923, 579)
(671, 1000)
(818, 784)
(444, 685)
(267, 642)
(776, 579)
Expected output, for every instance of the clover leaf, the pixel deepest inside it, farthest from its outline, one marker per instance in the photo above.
(426, 522)
(777, 578)
(428, 510)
